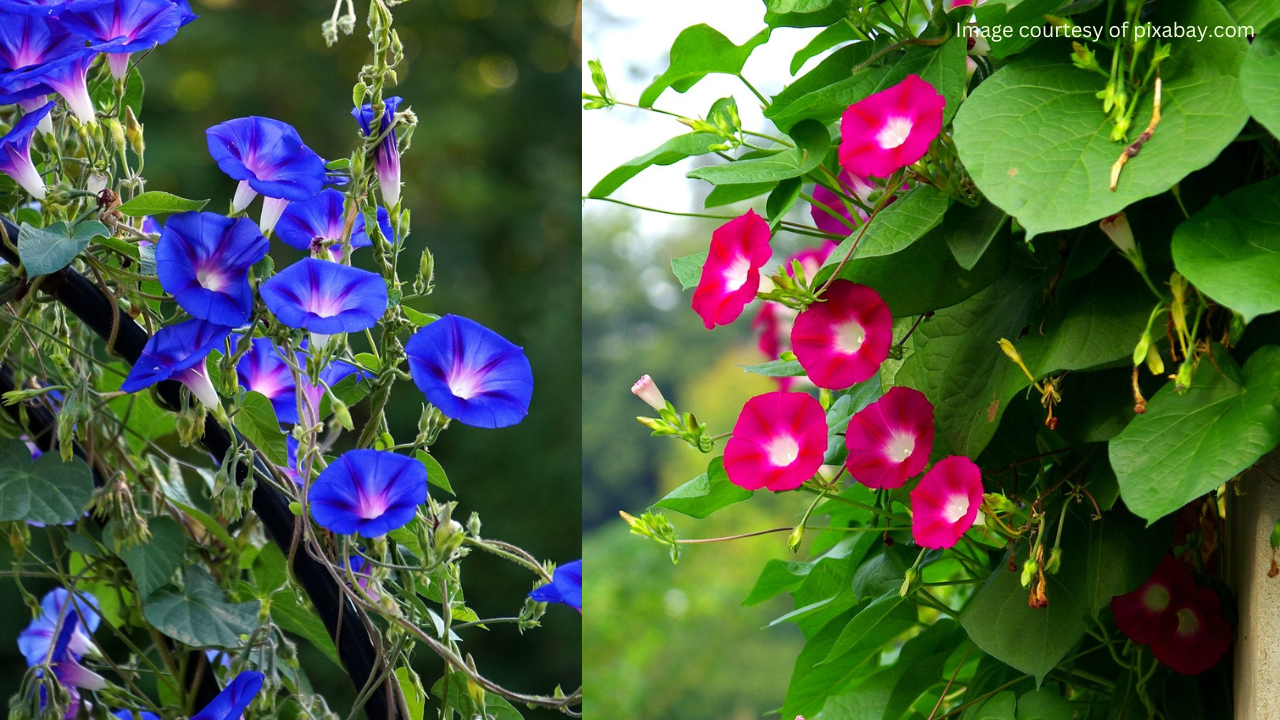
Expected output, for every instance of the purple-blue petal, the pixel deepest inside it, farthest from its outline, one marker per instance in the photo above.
(264, 371)
(34, 642)
(171, 350)
(46, 8)
(471, 373)
(28, 41)
(139, 24)
(325, 297)
(364, 114)
(203, 261)
(18, 140)
(230, 704)
(565, 587)
(270, 155)
(319, 220)
(370, 492)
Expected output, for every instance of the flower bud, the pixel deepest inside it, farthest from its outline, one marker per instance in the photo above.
(793, 540)
(1055, 561)
(998, 503)
(116, 131)
(1155, 363)
(97, 182)
(1186, 371)
(1029, 569)
(133, 131)
(906, 582)
(1117, 228)
(648, 391)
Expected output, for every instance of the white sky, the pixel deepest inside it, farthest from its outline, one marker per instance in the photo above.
(632, 40)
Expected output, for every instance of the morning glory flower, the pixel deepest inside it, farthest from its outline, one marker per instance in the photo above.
(131, 715)
(15, 153)
(565, 587)
(231, 703)
(889, 441)
(843, 339)
(316, 225)
(471, 373)
(203, 261)
(136, 24)
(370, 492)
(891, 129)
(26, 42)
(778, 442)
(731, 274)
(45, 8)
(65, 663)
(386, 161)
(68, 76)
(946, 502)
(325, 297)
(267, 156)
(177, 352)
(36, 640)
(264, 371)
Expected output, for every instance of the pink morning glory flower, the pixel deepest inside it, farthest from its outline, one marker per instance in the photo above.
(890, 129)
(647, 390)
(731, 274)
(851, 184)
(843, 339)
(945, 503)
(889, 440)
(778, 442)
(370, 492)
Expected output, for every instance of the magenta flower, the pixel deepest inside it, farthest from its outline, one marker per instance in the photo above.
(203, 261)
(370, 492)
(36, 641)
(15, 153)
(731, 274)
(945, 503)
(177, 352)
(267, 156)
(386, 161)
(316, 225)
(890, 129)
(843, 339)
(325, 297)
(778, 442)
(262, 370)
(471, 373)
(131, 25)
(890, 440)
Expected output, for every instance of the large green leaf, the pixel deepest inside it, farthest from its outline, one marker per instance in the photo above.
(153, 563)
(1258, 13)
(48, 250)
(199, 614)
(1231, 249)
(804, 13)
(890, 691)
(705, 494)
(290, 615)
(812, 141)
(688, 269)
(672, 151)
(970, 230)
(1187, 444)
(1035, 139)
(897, 225)
(1123, 552)
(864, 622)
(1000, 707)
(46, 491)
(697, 52)
(1045, 703)
(257, 421)
(1003, 23)
(159, 203)
(1260, 78)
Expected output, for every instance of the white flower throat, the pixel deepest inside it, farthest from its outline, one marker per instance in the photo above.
(894, 133)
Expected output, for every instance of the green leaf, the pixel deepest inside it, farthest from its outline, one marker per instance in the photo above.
(812, 141)
(46, 490)
(897, 225)
(1188, 444)
(697, 52)
(1260, 78)
(781, 200)
(270, 570)
(1001, 129)
(705, 494)
(435, 473)
(804, 13)
(777, 368)
(826, 103)
(1003, 23)
(1044, 704)
(420, 319)
(50, 249)
(777, 577)
(200, 614)
(823, 41)
(688, 269)
(1258, 13)
(256, 420)
(496, 708)
(863, 623)
(146, 420)
(154, 562)
(1231, 249)
(134, 91)
(159, 203)
(214, 527)
(672, 151)
(721, 195)
(303, 622)
(969, 231)
(415, 698)
(1000, 707)
(1123, 552)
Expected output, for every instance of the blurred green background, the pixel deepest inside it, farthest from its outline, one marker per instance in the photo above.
(491, 180)
(666, 641)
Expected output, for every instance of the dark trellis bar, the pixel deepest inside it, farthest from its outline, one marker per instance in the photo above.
(345, 622)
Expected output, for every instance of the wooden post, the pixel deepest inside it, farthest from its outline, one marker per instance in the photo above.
(1252, 513)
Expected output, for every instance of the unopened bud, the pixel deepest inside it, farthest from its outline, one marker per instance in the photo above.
(1155, 363)
(793, 540)
(648, 391)
(906, 582)
(1029, 569)
(1055, 561)
(998, 503)
(116, 131)
(653, 424)
(1117, 228)
(133, 131)
(1186, 371)
(97, 182)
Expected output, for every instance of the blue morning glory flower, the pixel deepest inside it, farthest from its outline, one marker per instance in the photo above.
(137, 25)
(15, 153)
(234, 699)
(130, 715)
(68, 76)
(267, 156)
(565, 587)
(264, 371)
(33, 7)
(316, 225)
(203, 261)
(325, 297)
(386, 161)
(471, 373)
(333, 373)
(26, 42)
(177, 352)
(65, 664)
(36, 640)
(370, 492)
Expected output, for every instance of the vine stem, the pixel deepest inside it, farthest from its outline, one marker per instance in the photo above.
(853, 247)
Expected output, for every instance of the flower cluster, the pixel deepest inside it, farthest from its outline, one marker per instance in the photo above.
(1181, 621)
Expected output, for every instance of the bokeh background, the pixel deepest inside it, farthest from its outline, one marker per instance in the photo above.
(491, 181)
(670, 641)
